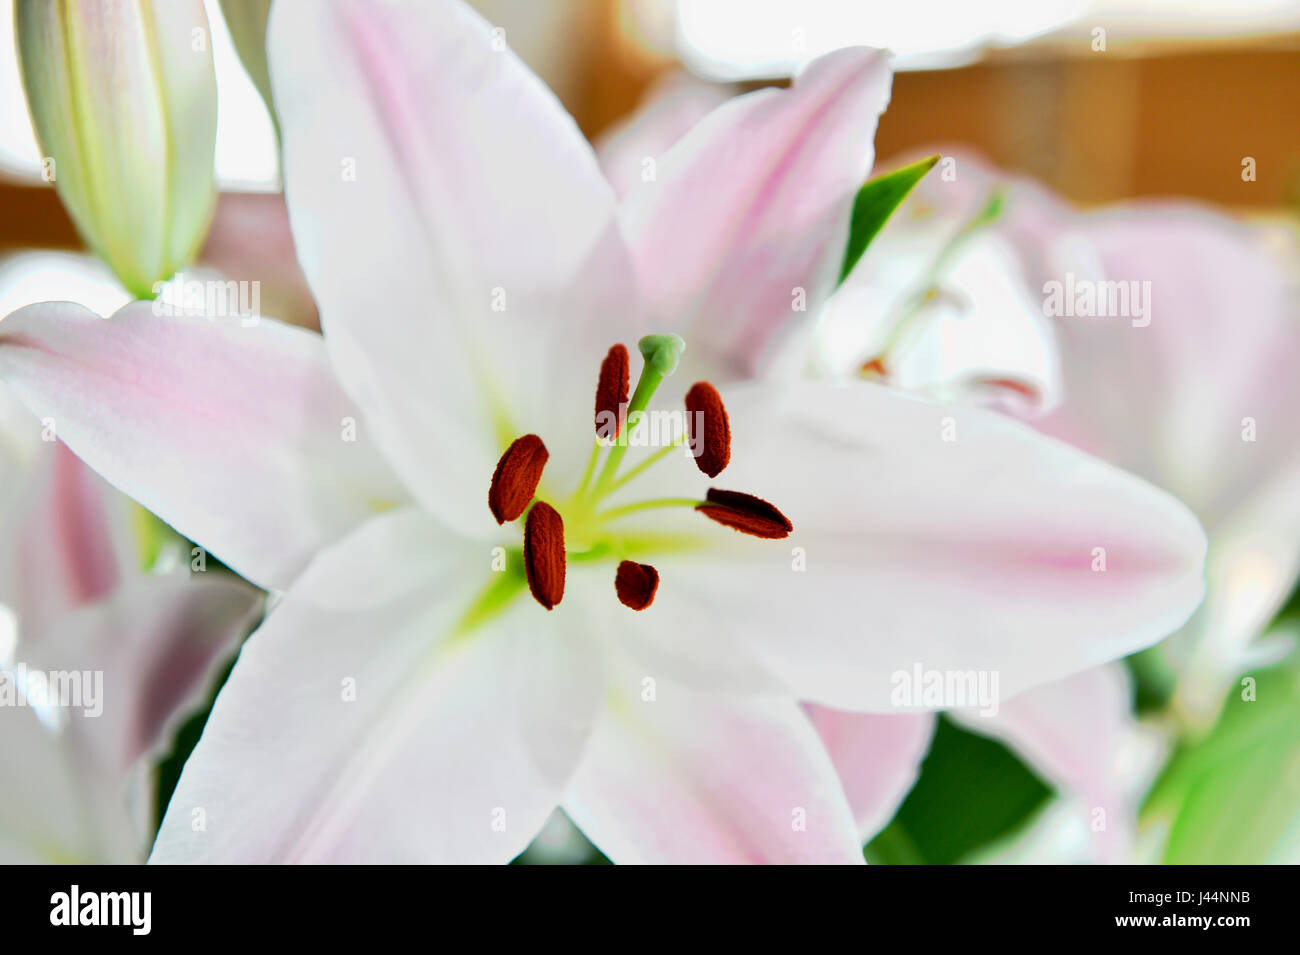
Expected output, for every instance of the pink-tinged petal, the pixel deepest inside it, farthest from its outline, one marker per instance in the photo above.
(55, 806)
(878, 757)
(57, 549)
(355, 727)
(753, 205)
(159, 642)
(693, 776)
(629, 154)
(1198, 395)
(1170, 399)
(428, 170)
(239, 437)
(947, 537)
(1080, 735)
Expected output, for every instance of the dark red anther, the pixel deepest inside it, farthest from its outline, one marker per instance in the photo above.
(544, 554)
(611, 392)
(515, 481)
(713, 438)
(745, 513)
(636, 584)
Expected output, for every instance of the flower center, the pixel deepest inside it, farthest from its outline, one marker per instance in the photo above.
(545, 556)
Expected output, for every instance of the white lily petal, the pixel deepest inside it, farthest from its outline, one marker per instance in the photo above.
(629, 153)
(239, 437)
(423, 157)
(356, 728)
(55, 805)
(704, 777)
(967, 541)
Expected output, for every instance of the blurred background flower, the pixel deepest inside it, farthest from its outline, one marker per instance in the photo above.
(92, 587)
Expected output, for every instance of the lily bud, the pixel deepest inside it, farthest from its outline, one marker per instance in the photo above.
(124, 101)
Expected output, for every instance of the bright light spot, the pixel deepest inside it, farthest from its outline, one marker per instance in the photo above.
(19, 153)
(1251, 582)
(736, 39)
(1166, 18)
(246, 145)
(30, 277)
(748, 39)
(8, 634)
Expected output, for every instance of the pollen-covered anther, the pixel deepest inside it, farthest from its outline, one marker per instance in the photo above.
(515, 481)
(709, 428)
(636, 584)
(544, 554)
(874, 368)
(611, 392)
(745, 513)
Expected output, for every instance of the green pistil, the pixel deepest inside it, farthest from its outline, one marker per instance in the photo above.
(662, 354)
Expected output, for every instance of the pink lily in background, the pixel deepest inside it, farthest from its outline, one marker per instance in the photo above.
(948, 304)
(144, 645)
(1198, 396)
(407, 699)
(1193, 395)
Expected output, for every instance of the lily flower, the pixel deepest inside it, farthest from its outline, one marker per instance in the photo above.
(1193, 388)
(1186, 392)
(947, 303)
(487, 615)
(99, 660)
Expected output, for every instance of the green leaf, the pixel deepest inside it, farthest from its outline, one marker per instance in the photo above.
(1154, 679)
(971, 791)
(1234, 796)
(875, 203)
